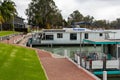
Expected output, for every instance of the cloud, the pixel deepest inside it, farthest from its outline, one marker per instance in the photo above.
(21, 6)
(100, 9)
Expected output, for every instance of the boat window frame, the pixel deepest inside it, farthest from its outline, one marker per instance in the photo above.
(59, 35)
(49, 37)
(75, 36)
(86, 35)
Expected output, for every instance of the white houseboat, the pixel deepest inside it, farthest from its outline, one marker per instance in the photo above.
(66, 36)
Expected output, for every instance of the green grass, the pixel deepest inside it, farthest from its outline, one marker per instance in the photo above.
(5, 33)
(17, 63)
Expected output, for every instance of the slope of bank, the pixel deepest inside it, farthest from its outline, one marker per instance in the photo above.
(18, 63)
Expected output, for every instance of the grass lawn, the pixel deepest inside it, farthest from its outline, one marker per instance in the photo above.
(4, 33)
(17, 63)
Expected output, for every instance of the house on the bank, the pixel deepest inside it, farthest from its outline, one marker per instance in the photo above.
(18, 24)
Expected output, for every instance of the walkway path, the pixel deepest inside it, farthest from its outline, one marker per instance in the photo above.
(58, 68)
(61, 68)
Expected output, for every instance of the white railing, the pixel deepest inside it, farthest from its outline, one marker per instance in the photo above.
(98, 63)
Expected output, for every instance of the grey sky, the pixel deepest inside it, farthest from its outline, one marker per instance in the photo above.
(100, 9)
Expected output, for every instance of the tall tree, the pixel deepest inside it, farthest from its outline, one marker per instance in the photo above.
(76, 16)
(88, 18)
(8, 10)
(43, 12)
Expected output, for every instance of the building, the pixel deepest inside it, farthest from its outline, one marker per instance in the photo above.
(17, 22)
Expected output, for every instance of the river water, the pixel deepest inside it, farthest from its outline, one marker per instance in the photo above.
(59, 50)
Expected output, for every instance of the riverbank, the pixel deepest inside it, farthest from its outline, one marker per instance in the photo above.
(19, 63)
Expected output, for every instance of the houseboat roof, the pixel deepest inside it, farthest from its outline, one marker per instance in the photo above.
(76, 30)
(102, 41)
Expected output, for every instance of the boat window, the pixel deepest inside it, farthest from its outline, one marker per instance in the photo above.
(73, 36)
(59, 35)
(86, 35)
(49, 37)
(101, 34)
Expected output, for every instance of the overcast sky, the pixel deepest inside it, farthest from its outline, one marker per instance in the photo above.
(100, 9)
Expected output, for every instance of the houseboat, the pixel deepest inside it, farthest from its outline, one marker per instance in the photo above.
(66, 36)
(106, 60)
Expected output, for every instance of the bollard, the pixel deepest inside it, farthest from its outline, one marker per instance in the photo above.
(65, 53)
(31, 45)
(104, 75)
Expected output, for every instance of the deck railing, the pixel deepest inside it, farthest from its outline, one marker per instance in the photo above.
(92, 60)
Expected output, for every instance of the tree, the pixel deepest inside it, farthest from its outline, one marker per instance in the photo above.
(1, 21)
(8, 10)
(43, 12)
(76, 16)
(115, 24)
(88, 18)
(100, 24)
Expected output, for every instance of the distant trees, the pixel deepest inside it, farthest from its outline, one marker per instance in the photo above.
(100, 24)
(76, 16)
(7, 11)
(43, 13)
(115, 24)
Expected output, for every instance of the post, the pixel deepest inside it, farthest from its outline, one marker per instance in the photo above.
(78, 60)
(104, 63)
(104, 75)
(80, 54)
(30, 42)
(90, 66)
(65, 53)
(80, 41)
(31, 45)
(85, 62)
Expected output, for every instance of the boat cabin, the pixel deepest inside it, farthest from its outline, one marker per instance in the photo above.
(66, 36)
